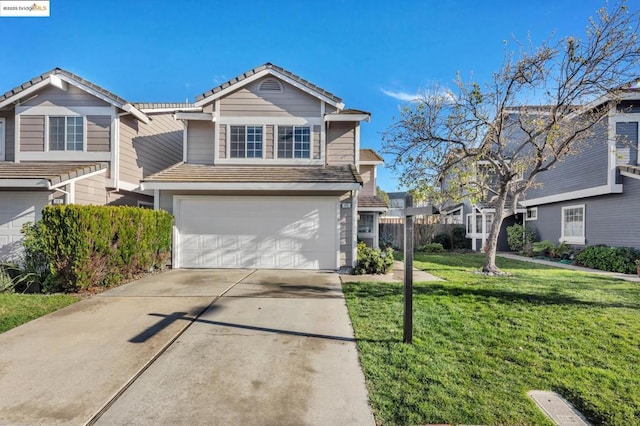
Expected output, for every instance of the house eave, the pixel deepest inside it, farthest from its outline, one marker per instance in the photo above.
(574, 195)
(265, 72)
(249, 186)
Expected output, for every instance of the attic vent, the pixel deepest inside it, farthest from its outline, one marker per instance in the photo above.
(270, 85)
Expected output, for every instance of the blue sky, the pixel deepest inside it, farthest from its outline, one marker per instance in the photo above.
(372, 54)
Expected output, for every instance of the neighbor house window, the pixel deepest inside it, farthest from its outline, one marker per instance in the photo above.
(476, 219)
(246, 141)
(573, 221)
(66, 133)
(294, 142)
(365, 223)
(532, 213)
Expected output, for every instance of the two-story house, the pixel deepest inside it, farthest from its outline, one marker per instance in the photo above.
(270, 177)
(64, 139)
(585, 199)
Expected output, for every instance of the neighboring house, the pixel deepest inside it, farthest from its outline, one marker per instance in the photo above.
(370, 206)
(66, 140)
(589, 198)
(270, 177)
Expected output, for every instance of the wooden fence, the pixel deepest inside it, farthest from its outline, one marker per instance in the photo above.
(424, 228)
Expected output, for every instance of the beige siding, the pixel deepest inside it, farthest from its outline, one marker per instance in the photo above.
(346, 232)
(222, 142)
(32, 133)
(98, 133)
(247, 101)
(269, 142)
(72, 97)
(200, 137)
(148, 148)
(9, 134)
(341, 143)
(92, 190)
(369, 186)
(316, 142)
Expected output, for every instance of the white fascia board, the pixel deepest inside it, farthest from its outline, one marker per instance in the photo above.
(25, 92)
(202, 116)
(24, 183)
(630, 175)
(128, 186)
(57, 82)
(347, 117)
(75, 179)
(574, 195)
(251, 186)
(173, 109)
(136, 113)
(371, 163)
(258, 76)
(373, 209)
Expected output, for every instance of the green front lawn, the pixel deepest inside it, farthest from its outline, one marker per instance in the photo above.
(16, 309)
(481, 343)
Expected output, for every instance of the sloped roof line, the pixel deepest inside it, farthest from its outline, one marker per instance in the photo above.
(268, 66)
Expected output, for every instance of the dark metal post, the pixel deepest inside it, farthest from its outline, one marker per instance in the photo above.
(408, 272)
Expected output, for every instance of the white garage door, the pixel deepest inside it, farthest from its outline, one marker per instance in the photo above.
(257, 232)
(16, 209)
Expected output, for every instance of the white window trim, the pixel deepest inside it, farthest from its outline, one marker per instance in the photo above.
(84, 133)
(245, 158)
(275, 143)
(373, 220)
(574, 240)
(534, 214)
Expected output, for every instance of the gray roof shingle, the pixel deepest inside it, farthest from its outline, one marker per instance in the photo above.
(54, 172)
(66, 73)
(183, 172)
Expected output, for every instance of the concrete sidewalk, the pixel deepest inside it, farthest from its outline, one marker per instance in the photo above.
(190, 347)
(626, 277)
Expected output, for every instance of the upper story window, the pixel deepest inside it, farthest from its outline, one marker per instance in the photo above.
(66, 133)
(246, 141)
(294, 142)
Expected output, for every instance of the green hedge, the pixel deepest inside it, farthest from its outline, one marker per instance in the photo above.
(613, 259)
(373, 261)
(86, 246)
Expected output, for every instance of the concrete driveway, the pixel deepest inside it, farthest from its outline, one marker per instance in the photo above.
(190, 347)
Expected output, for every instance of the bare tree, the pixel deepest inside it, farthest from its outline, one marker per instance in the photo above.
(487, 142)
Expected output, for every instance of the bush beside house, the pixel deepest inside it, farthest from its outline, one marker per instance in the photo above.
(373, 261)
(79, 247)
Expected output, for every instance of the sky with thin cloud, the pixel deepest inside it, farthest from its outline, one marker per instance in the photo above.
(375, 55)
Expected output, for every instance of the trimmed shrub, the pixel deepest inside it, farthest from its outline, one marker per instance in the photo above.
(87, 246)
(520, 237)
(459, 240)
(431, 248)
(612, 259)
(373, 261)
(443, 239)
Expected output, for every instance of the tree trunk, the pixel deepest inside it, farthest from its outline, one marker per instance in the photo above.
(492, 241)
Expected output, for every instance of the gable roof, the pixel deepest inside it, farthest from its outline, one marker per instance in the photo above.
(45, 174)
(370, 156)
(264, 70)
(58, 77)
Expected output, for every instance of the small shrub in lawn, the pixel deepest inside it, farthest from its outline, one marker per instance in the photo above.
(542, 248)
(459, 240)
(431, 248)
(612, 259)
(443, 239)
(520, 237)
(373, 261)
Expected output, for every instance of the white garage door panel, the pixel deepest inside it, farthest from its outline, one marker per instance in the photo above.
(257, 232)
(16, 209)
